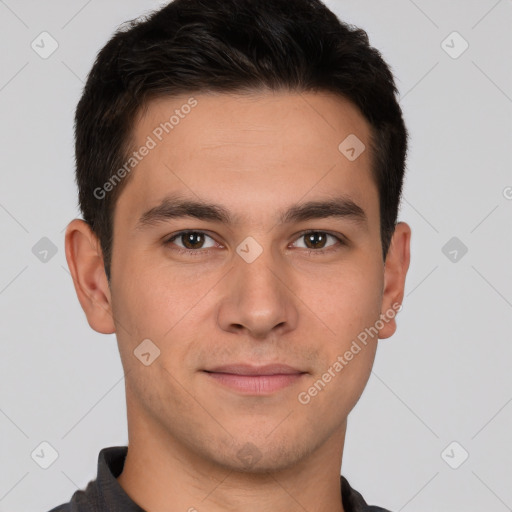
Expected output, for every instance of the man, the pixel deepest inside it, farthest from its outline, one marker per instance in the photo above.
(239, 165)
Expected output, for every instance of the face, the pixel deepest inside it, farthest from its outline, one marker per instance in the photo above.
(260, 277)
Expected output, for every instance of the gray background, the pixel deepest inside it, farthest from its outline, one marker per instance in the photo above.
(444, 377)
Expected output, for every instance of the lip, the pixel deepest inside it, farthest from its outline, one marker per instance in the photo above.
(246, 369)
(255, 380)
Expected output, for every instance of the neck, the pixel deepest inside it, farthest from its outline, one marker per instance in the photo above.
(161, 473)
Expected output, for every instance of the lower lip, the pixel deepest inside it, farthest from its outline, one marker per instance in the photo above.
(256, 384)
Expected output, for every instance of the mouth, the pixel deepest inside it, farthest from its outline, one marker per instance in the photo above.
(255, 380)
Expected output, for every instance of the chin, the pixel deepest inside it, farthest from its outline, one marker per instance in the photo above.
(262, 457)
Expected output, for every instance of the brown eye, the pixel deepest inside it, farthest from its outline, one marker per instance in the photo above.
(316, 241)
(190, 240)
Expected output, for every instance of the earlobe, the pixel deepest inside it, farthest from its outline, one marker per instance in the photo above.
(85, 262)
(395, 272)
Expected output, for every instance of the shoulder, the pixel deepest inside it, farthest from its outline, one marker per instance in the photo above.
(80, 502)
(65, 507)
(353, 501)
(104, 492)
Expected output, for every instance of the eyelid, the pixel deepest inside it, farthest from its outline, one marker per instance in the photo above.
(339, 236)
(331, 248)
(342, 241)
(174, 236)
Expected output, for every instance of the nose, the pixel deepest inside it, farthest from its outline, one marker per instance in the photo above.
(258, 299)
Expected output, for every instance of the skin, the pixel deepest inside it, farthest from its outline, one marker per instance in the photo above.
(255, 155)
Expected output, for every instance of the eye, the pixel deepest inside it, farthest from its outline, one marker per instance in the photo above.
(191, 241)
(315, 241)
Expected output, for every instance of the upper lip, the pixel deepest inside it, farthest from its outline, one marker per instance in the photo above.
(245, 369)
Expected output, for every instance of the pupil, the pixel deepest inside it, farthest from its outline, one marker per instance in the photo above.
(311, 239)
(189, 240)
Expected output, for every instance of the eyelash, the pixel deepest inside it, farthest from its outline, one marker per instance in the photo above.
(200, 252)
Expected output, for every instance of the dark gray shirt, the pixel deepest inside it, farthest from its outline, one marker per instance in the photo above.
(106, 494)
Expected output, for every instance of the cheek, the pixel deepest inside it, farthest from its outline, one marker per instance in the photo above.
(352, 307)
(152, 296)
(155, 304)
(347, 299)
(329, 396)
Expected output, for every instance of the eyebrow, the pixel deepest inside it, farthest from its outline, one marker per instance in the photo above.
(175, 207)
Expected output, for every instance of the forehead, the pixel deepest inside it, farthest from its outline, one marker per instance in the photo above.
(256, 152)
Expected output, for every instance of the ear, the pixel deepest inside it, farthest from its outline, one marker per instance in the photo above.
(85, 262)
(395, 270)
